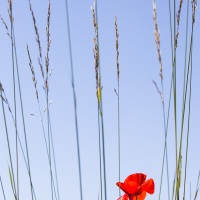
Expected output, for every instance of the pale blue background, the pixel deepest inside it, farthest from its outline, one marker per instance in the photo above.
(142, 135)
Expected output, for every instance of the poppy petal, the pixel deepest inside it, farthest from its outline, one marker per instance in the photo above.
(139, 197)
(148, 186)
(123, 197)
(129, 187)
(139, 178)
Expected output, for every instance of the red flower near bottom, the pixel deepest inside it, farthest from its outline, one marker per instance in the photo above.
(135, 187)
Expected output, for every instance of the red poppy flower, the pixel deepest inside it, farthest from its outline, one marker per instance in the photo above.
(135, 187)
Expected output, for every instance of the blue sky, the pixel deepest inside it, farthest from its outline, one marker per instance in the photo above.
(142, 135)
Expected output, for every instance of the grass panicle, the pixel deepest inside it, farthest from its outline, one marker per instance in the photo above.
(178, 23)
(96, 56)
(37, 40)
(117, 48)
(48, 46)
(157, 37)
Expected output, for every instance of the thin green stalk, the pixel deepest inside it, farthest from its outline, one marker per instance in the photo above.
(172, 55)
(14, 95)
(175, 109)
(168, 187)
(173, 51)
(186, 75)
(198, 181)
(49, 156)
(75, 101)
(48, 153)
(165, 155)
(119, 146)
(173, 188)
(197, 187)
(11, 182)
(189, 70)
(42, 123)
(103, 148)
(54, 160)
(175, 115)
(184, 102)
(100, 156)
(174, 82)
(49, 139)
(188, 131)
(4, 99)
(22, 113)
(4, 196)
(167, 173)
(8, 143)
(183, 108)
(186, 40)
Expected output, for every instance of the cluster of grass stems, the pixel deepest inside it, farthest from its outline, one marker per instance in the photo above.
(44, 65)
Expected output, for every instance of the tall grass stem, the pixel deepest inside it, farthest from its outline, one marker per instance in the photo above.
(101, 108)
(75, 102)
(4, 196)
